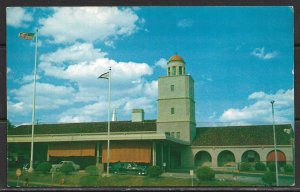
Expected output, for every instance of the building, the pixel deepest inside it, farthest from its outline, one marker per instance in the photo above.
(173, 140)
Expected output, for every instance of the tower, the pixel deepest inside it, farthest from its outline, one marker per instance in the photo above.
(176, 105)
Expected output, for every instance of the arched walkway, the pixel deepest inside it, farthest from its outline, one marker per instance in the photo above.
(226, 159)
(202, 158)
(281, 158)
(250, 156)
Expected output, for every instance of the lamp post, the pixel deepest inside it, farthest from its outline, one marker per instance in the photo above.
(275, 147)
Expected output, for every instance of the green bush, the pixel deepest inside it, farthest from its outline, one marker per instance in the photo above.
(272, 167)
(67, 168)
(205, 173)
(92, 170)
(154, 171)
(288, 168)
(245, 166)
(44, 167)
(269, 178)
(260, 166)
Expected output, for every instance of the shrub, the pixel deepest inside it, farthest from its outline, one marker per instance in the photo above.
(154, 171)
(92, 170)
(44, 167)
(269, 178)
(205, 173)
(67, 168)
(288, 168)
(260, 166)
(245, 166)
(272, 167)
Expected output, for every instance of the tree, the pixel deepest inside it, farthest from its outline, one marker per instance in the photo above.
(10, 125)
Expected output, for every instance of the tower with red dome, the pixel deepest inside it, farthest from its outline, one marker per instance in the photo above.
(176, 105)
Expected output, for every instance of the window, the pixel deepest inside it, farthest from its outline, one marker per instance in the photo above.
(172, 110)
(172, 134)
(169, 71)
(178, 135)
(173, 70)
(172, 87)
(180, 70)
(168, 133)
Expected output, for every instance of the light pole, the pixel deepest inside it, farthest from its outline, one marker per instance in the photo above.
(275, 147)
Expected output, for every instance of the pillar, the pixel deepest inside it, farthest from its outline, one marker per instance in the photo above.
(97, 154)
(153, 153)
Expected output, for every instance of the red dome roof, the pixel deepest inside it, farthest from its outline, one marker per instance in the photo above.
(175, 58)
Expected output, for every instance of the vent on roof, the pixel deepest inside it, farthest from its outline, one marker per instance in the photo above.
(137, 115)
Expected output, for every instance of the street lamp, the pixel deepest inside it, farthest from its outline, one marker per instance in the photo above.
(275, 147)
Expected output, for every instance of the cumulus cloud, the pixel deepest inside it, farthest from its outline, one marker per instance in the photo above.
(17, 17)
(162, 62)
(8, 70)
(48, 96)
(183, 23)
(260, 111)
(70, 24)
(261, 54)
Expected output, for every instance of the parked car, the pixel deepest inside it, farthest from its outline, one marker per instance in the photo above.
(56, 167)
(127, 168)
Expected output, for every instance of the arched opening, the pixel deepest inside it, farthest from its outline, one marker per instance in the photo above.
(226, 159)
(250, 156)
(202, 158)
(281, 158)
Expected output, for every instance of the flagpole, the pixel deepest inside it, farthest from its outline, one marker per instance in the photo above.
(108, 124)
(33, 103)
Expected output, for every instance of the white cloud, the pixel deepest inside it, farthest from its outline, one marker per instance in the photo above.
(48, 96)
(260, 111)
(8, 70)
(17, 17)
(28, 78)
(162, 62)
(261, 54)
(293, 71)
(78, 52)
(70, 24)
(183, 23)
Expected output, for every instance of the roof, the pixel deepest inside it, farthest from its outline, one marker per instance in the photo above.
(93, 127)
(241, 135)
(176, 58)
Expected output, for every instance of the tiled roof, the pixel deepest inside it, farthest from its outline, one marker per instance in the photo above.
(94, 127)
(241, 135)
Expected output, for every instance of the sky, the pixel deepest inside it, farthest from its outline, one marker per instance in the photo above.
(240, 58)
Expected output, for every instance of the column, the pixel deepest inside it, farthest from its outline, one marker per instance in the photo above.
(97, 154)
(162, 153)
(153, 153)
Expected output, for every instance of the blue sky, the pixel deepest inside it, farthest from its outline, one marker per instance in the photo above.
(240, 58)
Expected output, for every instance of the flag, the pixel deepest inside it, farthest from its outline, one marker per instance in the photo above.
(26, 36)
(104, 75)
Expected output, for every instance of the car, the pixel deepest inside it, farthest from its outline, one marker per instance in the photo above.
(128, 168)
(56, 167)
